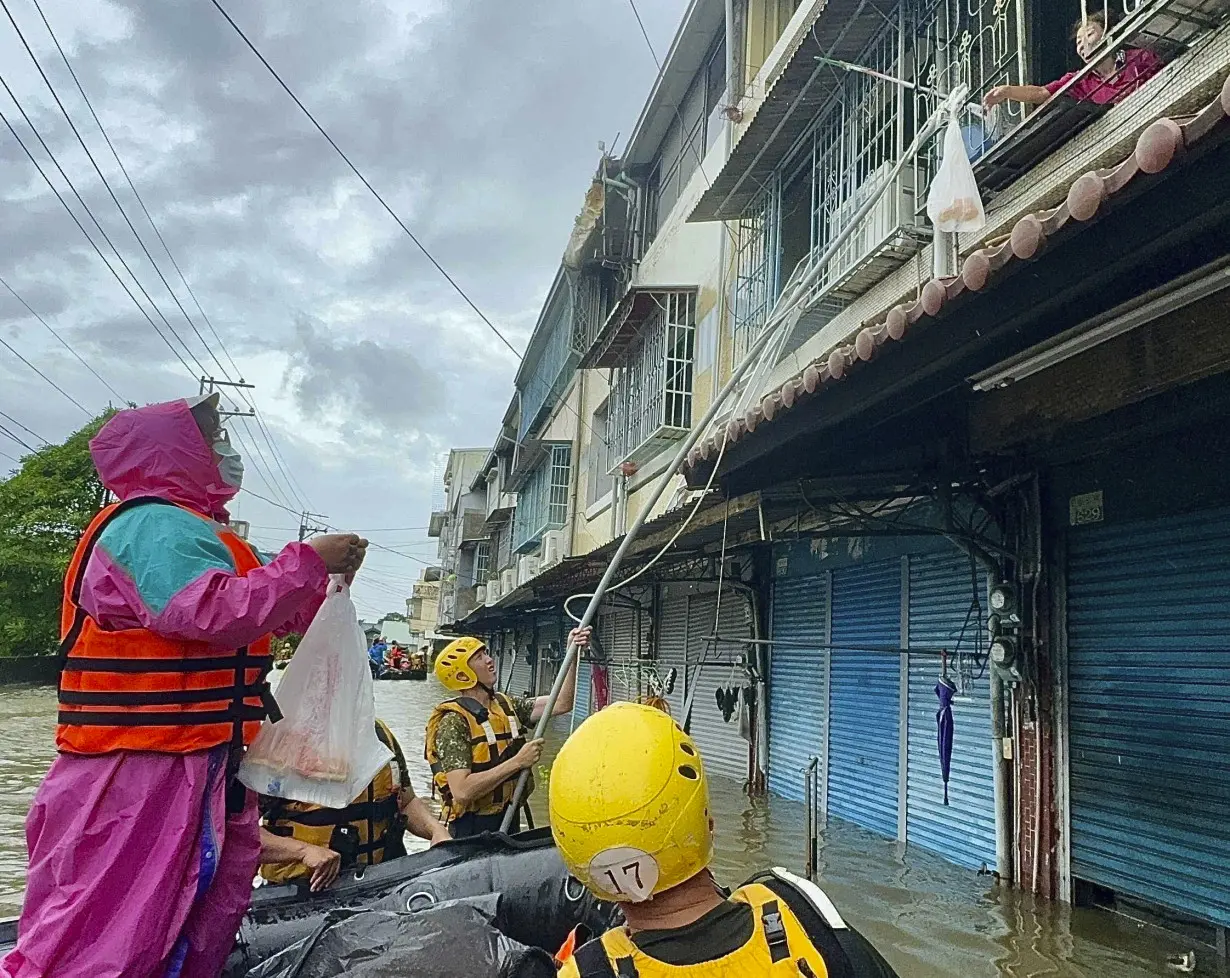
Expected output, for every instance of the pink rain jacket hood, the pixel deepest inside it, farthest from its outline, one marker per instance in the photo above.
(158, 450)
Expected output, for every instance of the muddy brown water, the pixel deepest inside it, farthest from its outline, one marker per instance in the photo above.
(929, 918)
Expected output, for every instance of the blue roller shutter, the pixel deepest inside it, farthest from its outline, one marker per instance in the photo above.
(672, 641)
(941, 599)
(582, 705)
(797, 697)
(865, 696)
(724, 752)
(1149, 710)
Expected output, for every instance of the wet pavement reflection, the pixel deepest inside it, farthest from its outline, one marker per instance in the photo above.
(929, 918)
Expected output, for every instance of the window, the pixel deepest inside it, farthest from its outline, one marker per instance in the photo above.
(651, 403)
(543, 502)
(482, 562)
(598, 461)
(756, 273)
(550, 359)
(696, 124)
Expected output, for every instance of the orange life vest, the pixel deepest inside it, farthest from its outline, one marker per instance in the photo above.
(134, 690)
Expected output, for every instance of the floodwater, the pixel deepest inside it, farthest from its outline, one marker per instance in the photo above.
(930, 919)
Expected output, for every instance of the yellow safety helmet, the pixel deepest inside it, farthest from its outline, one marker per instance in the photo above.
(630, 805)
(453, 665)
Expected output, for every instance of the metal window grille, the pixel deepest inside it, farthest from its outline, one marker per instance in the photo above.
(756, 276)
(598, 458)
(553, 364)
(652, 395)
(587, 311)
(543, 502)
(482, 562)
(979, 43)
(853, 146)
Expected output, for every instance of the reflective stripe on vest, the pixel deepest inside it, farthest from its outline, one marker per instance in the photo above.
(780, 946)
(495, 736)
(375, 815)
(134, 690)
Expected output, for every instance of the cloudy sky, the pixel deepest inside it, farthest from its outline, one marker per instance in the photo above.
(479, 120)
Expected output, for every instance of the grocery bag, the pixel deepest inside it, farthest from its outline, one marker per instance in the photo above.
(324, 751)
(953, 203)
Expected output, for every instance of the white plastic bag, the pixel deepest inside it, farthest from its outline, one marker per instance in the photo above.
(953, 203)
(324, 750)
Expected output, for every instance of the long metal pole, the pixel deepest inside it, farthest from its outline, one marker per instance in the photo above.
(793, 295)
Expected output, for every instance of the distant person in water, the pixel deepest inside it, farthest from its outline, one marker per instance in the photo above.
(1112, 79)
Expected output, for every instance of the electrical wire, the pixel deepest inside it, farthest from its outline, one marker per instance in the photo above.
(29, 431)
(366, 183)
(64, 343)
(267, 474)
(11, 458)
(55, 190)
(392, 213)
(24, 444)
(5, 343)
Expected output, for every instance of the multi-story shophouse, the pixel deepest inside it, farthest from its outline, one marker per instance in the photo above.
(986, 466)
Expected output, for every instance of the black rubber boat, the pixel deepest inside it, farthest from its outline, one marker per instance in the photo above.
(519, 881)
(416, 674)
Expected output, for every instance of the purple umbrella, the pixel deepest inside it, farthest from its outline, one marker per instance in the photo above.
(945, 690)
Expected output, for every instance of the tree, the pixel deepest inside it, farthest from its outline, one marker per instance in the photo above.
(394, 616)
(44, 509)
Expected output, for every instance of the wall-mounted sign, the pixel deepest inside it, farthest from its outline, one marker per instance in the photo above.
(1086, 508)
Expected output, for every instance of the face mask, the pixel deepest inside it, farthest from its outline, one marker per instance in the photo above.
(230, 462)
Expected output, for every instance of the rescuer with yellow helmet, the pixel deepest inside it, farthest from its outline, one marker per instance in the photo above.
(476, 742)
(308, 842)
(630, 815)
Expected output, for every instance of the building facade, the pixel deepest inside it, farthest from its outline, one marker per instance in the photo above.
(977, 469)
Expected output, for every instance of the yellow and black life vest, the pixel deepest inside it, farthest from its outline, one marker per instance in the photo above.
(495, 736)
(374, 817)
(798, 934)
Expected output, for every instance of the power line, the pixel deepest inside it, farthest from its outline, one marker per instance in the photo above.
(8, 434)
(120, 207)
(136, 194)
(268, 473)
(645, 35)
(5, 343)
(55, 190)
(290, 482)
(11, 458)
(64, 343)
(28, 431)
(354, 169)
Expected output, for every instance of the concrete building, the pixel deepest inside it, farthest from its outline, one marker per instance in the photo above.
(423, 608)
(985, 462)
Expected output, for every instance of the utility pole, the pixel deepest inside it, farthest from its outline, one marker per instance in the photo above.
(210, 384)
(309, 524)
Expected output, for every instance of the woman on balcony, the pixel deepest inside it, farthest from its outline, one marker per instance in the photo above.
(1112, 79)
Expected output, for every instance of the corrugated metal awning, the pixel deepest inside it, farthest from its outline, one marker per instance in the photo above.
(842, 29)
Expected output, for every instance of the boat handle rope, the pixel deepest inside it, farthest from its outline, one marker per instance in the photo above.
(424, 894)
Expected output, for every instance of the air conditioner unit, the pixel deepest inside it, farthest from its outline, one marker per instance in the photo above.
(879, 225)
(554, 548)
(480, 594)
(508, 582)
(527, 569)
(493, 591)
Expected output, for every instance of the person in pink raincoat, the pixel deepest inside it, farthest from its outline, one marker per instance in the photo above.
(142, 860)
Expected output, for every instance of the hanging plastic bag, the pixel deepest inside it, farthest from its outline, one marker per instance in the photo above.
(953, 203)
(324, 751)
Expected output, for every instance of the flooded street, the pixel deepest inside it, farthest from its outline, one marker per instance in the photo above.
(930, 919)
